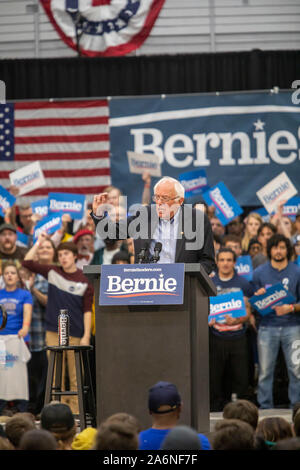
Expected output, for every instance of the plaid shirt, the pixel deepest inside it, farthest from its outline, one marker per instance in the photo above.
(37, 330)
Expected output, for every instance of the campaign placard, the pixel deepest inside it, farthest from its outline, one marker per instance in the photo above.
(232, 304)
(140, 162)
(291, 207)
(194, 182)
(263, 213)
(142, 284)
(22, 239)
(48, 224)
(28, 178)
(66, 203)
(40, 207)
(7, 200)
(277, 190)
(227, 208)
(244, 267)
(274, 296)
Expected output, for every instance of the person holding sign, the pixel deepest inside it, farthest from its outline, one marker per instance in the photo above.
(282, 327)
(184, 233)
(13, 370)
(228, 342)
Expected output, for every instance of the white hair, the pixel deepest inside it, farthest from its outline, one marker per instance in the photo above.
(177, 185)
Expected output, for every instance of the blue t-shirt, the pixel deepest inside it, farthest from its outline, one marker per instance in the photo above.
(235, 284)
(13, 302)
(266, 276)
(152, 439)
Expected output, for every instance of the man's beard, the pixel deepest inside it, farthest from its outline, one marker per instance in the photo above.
(7, 247)
(278, 260)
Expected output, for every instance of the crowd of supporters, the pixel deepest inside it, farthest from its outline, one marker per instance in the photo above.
(39, 279)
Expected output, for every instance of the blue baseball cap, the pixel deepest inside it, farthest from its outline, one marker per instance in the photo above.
(163, 393)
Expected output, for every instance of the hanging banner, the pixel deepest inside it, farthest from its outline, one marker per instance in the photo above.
(242, 139)
(103, 27)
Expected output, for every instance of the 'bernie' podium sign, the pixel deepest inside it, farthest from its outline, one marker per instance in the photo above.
(146, 284)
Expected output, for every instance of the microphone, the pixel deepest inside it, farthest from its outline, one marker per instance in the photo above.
(142, 255)
(157, 250)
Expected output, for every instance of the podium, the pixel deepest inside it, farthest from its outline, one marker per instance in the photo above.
(137, 346)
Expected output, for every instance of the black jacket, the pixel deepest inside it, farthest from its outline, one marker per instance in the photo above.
(146, 220)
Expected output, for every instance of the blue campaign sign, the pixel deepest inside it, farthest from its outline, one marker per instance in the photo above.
(263, 213)
(227, 208)
(22, 239)
(232, 304)
(40, 207)
(7, 200)
(274, 296)
(142, 284)
(244, 139)
(194, 182)
(244, 267)
(48, 224)
(67, 203)
(291, 207)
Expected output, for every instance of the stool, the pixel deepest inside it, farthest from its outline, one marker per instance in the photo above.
(85, 393)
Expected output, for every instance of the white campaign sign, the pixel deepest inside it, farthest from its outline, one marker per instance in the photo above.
(276, 191)
(140, 162)
(28, 178)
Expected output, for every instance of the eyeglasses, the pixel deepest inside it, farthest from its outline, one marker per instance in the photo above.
(163, 199)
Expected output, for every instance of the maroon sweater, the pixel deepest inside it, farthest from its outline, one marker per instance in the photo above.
(71, 291)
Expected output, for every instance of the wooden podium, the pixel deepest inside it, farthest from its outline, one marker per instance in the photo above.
(137, 346)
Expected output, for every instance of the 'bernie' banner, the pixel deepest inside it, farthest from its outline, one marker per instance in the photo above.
(244, 140)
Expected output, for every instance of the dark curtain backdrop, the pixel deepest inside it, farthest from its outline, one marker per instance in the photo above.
(144, 75)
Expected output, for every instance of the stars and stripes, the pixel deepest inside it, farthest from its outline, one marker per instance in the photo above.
(70, 139)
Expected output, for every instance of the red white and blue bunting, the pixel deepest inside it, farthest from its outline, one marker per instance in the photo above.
(103, 27)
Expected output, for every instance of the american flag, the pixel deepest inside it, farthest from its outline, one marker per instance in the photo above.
(70, 139)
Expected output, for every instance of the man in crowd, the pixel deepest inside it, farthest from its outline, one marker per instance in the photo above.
(228, 342)
(164, 404)
(217, 227)
(234, 242)
(167, 219)
(281, 328)
(9, 250)
(236, 227)
(68, 288)
(84, 239)
(265, 231)
(26, 219)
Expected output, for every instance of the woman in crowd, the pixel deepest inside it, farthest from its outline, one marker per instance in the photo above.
(252, 224)
(14, 353)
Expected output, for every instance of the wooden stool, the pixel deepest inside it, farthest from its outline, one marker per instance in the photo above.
(85, 393)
